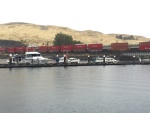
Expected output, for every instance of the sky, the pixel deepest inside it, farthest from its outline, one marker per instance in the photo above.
(106, 16)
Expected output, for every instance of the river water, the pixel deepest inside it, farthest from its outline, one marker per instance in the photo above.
(89, 89)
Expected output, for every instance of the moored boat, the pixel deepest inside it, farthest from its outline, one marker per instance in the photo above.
(61, 60)
(30, 58)
(35, 58)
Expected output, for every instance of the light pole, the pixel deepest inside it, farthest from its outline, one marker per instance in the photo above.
(103, 59)
(64, 59)
(114, 57)
(88, 58)
(134, 59)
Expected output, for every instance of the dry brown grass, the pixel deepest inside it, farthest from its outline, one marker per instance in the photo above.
(39, 35)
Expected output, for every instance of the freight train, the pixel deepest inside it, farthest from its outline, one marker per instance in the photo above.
(142, 46)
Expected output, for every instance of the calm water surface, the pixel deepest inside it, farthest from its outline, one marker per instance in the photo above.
(95, 89)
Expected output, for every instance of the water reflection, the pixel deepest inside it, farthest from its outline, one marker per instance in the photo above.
(95, 89)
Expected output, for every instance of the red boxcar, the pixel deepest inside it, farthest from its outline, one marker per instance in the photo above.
(30, 49)
(79, 48)
(43, 49)
(66, 48)
(11, 50)
(54, 48)
(144, 43)
(20, 49)
(94, 47)
(2, 49)
(119, 46)
(144, 46)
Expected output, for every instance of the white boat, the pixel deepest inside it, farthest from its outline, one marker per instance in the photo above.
(107, 60)
(30, 58)
(74, 60)
(61, 60)
(69, 60)
(35, 58)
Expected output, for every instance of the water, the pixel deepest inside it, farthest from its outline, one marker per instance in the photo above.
(89, 89)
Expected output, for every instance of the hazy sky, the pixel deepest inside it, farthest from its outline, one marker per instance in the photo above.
(106, 16)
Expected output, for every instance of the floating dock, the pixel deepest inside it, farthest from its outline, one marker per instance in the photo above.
(67, 65)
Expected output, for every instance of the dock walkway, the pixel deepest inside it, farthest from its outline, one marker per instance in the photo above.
(65, 65)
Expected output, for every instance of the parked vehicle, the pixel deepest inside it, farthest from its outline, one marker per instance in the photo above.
(74, 60)
(101, 60)
(61, 60)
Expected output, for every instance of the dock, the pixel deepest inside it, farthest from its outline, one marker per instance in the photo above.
(69, 64)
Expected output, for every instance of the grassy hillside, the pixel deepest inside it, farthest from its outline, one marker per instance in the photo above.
(32, 34)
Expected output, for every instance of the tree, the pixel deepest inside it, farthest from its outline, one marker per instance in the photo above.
(76, 42)
(119, 36)
(64, 39)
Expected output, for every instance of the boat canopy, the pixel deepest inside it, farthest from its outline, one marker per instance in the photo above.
(32, 54)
